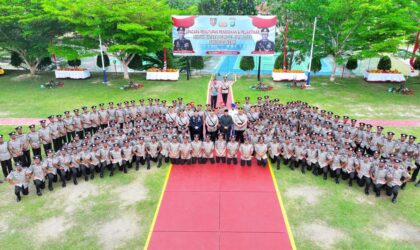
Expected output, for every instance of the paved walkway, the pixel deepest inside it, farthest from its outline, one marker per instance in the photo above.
(385, 123)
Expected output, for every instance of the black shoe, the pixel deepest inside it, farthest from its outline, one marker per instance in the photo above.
(86, 178)
(50, 188)
(403, 187)
(159, 165)
(394, 200)
(377, 195)
(101, 176)
(325, 177)
(18, 199)
(366, 192)
(337, 181)
(39, 193)
(350, 184)
(92, 176)
(111, 174)
(75, 182)
(63, 185)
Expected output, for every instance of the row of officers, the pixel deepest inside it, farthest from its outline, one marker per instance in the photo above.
(73, 162)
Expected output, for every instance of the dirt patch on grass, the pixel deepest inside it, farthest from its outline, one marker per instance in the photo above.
(132, 193)
(3, 226)
(23, 77)
(73, 195)
(5, 113)
(50, 229)
(400, 231)
(321, 234)
(114, 233)
(310, 194)
(359, 197)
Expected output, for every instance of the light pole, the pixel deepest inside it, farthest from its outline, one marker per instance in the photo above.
(308, 81)
(102, 57)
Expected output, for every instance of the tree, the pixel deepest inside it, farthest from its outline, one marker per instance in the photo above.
(278, 64)
(136, 63)
(197, 62)
(351, 63)
(227, 7)
(99, 61)
(384, 63)
(28, 31)
(247, 63)
(316, 64)
(417, 63)
(74, 63)
(360, 28)
(127, 28)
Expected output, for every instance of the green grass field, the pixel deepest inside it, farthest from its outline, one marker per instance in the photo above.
(322, 215)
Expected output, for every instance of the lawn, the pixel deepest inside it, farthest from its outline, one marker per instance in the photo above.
(321, 214)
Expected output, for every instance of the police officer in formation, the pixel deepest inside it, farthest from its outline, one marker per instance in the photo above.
(294, 134)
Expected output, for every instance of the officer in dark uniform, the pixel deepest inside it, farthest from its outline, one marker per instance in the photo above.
(196, 125)
(264, 44)
(181, 43)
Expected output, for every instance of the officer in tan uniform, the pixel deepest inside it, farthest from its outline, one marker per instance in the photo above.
(232, 151)
(220, 148)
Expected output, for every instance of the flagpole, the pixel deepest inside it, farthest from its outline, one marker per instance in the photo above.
(308, 81)
(103, 61)
(284, 45)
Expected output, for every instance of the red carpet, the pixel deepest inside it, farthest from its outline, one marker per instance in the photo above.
(220, 207)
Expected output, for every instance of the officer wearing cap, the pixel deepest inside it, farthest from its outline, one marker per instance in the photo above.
(127, 153)
(37, 172)
(246, 150)
(378, 176)
(261, 152)
(264, 44)
(185, 149)
(15, 149)
(19, 179)
(212, 124)
(153, 149)
(45, 135)
(240, 121)
(5, 158)
(196, 125)
(364, 170)
(24, 141)
(34, 140)
(232, 151)
(174, 150)
(181, 43)
(396, 176)
(197, 150)
(50, 169)
(208, 149)
(220, 148)
(115, 155)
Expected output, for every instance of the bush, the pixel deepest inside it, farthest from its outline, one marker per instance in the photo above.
(136, 63)
(15, 59)
(417, 63)
(247, 63)
(197, 62)
(278, 64)
(45, 62)
(99, 61)
(351, 63)
(384, 63)
(74, 63)
(316, 64)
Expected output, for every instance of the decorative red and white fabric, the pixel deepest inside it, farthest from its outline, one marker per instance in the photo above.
(285, 76)
(383, 77)
(166, 76)
(72, 74)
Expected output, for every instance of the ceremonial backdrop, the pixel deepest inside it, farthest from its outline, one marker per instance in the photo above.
(223, 35)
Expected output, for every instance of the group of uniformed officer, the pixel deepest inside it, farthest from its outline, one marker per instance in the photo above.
(134, 134)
